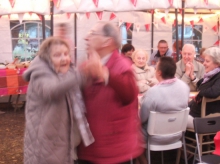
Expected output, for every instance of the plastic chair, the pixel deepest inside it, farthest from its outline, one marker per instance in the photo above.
(164, 125)
(201, 136)
(206, 126)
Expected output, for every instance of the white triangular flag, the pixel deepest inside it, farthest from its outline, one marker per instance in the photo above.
(115, 2)
(166, 11)
(155, 24)
(195, 11)
(205, 29)
(79, 16)
(120, 22)
(20, 17)
(137, 26)
(77, 3)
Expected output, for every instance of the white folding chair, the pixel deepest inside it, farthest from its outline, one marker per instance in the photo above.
(165, 125)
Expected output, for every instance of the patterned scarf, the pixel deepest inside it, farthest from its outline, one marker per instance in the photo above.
(210, 74)
(168, 81)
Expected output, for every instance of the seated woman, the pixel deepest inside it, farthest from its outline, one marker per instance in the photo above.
(144, 74)
(209, 86)
(169, 95)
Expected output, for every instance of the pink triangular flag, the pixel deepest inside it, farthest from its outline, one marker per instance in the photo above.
(171, 2)
(152, 11)
(163, 20)
(147, 27)
(68, 15)
(96, 2)
(206, 2)
(216, 43)
(112, 16)
(134, 2)
(214, 28)
(40, 16)
(9, 16)
(128, 25)
(174, 22)
(56, 3)
(99, 14)
(20, 17)
(137, 25)
(0, 16)
(192, 23)
(200, 20)
(12, 2)
(180, 10)
(30, 13)
(87, 15)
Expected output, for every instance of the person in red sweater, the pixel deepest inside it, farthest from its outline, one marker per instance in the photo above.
(111, 101)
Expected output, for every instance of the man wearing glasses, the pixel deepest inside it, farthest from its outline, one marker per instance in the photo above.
(163, 50)
(111, 100)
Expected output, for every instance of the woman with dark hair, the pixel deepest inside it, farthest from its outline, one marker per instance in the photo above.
(54, 112)
(127, 50)
(174, 54)
(169, 95)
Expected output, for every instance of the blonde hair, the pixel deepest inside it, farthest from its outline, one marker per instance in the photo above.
(139, 50)
(45, 48)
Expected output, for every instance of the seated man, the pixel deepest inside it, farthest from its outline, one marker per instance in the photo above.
(163, 50)
(164, 97)
(189, 70)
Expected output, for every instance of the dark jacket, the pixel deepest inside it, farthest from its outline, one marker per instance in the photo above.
(210, 89)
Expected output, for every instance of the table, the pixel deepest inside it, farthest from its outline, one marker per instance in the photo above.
(12, 83)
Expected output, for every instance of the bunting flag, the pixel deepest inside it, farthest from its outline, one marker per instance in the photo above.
(174, 22)
(9, 16)
(87, 15)
(96, 2)
(120, 22)
(134, 2)
(214, 28)
(128, 25)
(115, 2)
(69, 15)
(137, 25)
(20, 17)
(171, 2)
(56, 3)
(99, 14)
(152, 11)
(163, 19)
(192, 23)
(155, 24)
(30, 13)
(200, 20)
(0, 16)
(216, 43)
(147, 27)
(40, 16)
(195, 11)
(206, 2)
(112, 16)
(180, 10)
(77, 3)
(12, 2)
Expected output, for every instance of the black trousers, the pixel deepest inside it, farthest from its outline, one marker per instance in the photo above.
(87, 162)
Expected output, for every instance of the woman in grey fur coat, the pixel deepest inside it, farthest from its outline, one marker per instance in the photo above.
(54, 108)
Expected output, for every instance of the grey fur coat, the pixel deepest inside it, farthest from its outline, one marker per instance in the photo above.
(54, 110)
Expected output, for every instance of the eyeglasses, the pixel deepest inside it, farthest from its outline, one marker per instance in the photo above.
(95, 33)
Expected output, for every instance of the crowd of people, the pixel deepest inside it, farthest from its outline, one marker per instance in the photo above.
(91, 114)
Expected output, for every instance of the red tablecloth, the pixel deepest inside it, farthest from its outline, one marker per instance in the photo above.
(11, 82)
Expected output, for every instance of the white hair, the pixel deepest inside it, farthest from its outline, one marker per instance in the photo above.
(191, 46)
(139, 50)
(214, 53)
